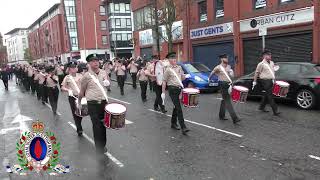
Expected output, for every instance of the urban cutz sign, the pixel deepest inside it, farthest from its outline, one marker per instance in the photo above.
(211, 31)
(280, 19)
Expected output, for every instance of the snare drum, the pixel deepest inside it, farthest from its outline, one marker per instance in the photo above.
(280, 88)
(239, 94)
(83, 111)
(190, 97)
(114, 117)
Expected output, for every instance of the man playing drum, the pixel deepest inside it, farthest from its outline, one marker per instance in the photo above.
(91, 88)
(71, 84)
(265, 72)
(224, 72)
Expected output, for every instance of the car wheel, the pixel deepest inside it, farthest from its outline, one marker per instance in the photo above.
(190, 85)
(305, 99)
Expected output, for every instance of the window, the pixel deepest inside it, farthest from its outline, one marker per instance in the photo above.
(219, 8)
(203, 11)
(104, 40)
(124, 37)
(128, 23)
(102, 11)
(259, 4)
(71, 10)
(129, 36)
(103, 25)
(128, 8)
(72, 25)
(288, 70)
(118, 37)
(116, 7)
(74, 41)
(286, 1)
(118, 23)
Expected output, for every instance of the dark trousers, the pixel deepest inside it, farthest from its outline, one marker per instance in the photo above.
(267, 86)
(226, 102)
(151, 85)
(44, 93)
(5, 82)
(143, 86)
(96, 113)
(158, 101)
(77, 119)
(134, 80)
(32, 84)
(121, 79)
(27, 83)
(177, 114)
(60, 78)
(37, 86)
(53, 94)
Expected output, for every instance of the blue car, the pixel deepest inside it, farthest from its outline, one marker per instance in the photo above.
(199, 74)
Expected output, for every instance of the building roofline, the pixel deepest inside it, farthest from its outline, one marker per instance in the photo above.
(54, 7)
(15, 30)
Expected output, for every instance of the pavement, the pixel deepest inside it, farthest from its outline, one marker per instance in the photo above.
(261, 147)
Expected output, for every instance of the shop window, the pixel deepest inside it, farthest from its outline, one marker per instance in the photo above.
(203, 16)
(258, 4)
(219, 8)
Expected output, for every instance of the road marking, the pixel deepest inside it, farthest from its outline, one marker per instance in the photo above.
(115, 160)
(49, 106)
(219, 98)
(203, 125)
(119, 100)
(314, 157)
(128, 122)
(4, 131)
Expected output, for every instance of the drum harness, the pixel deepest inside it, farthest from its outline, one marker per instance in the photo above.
(225, 73)
(95, 80)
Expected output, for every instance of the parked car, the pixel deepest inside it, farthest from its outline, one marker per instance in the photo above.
(199, 74)
(304, 80)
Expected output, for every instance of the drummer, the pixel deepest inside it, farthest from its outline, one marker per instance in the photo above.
(71, 84)
(53, 91)
(265, 73)
(97, 100)
(225, 73)
(170, 80)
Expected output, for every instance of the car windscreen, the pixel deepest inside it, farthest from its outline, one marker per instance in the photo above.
(191, 68)
(201, 67)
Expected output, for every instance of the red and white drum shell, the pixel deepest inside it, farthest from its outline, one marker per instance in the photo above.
(239, 94)
(190, 97)
(114, 117)
(281, 88)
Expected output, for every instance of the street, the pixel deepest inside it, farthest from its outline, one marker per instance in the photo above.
(261, 147)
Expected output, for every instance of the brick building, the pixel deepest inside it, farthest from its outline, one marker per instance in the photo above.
(3, 52)
(291, 29)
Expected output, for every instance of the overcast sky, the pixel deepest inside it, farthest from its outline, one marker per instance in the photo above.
(21, 13)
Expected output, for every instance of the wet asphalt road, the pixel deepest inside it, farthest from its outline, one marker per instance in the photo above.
(261, 147)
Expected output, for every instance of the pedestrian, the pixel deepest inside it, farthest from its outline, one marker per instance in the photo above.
(36, 82)
(92, 89)
(108, 67)
(143, 79)
(157, 88)
(120, 71)
(150, 67)
(4, 75)
(172, 78)
(133, 69)
(225, 73)
(52, 82)
(25, 78)
(266, 74)
(30, 78)
(71, 84)
(59, 72)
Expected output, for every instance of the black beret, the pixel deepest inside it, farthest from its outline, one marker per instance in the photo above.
(72, 64)
(49, 69)
(92, 57)
(266, 52)
(223, 56)
(171, 55)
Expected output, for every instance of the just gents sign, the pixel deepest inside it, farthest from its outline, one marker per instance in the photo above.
(211, 30)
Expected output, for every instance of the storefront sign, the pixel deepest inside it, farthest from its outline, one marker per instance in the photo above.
(177, 31)
(211, 31)
(145, 37)
(279, 19)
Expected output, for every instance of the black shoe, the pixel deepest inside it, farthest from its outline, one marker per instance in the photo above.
(175, 127)
(185, 131)
(164, 110)
(156, 109)
(277, 113)
(236, 121)
(109, 90)
(223, 119)
(80, 133)
(43, 103)
(122, 93)
(263, 110)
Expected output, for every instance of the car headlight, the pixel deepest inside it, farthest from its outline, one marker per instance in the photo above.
(197, 78)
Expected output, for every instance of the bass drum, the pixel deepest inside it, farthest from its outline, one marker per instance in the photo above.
(159, 71)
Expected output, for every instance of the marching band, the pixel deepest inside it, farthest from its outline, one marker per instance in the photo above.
(87, 86)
